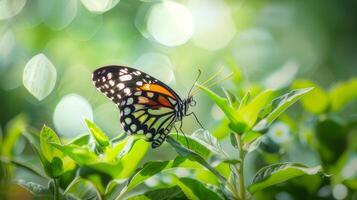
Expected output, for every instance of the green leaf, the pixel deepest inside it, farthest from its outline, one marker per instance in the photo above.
(244, 101)
(233, 140)
(278, 106)
(99, 136)
(223, 104)
(195, 189)
(82, 189)
(54, 163)
(172, 193)
(343, 93)
(13, 131)
(251, 140)
(208, 140)
(187, 153)
(251, 111)
(332, 139)
(191, 143)
(280, 172)
(130, 158)
(81, 154)
(48, 136)
(81, 140)
(152, 168)
(317, 101)
(221, 130)
(36, 189)
(24, 165)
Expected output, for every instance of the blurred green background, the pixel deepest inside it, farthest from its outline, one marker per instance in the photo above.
(268, 44)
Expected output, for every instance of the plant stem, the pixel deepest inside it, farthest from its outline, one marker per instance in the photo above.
(56, 189)
(241, 168)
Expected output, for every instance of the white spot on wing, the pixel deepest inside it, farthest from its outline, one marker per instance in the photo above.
(127, 91)
(109, 75)
(121, 86)
(111, 82)
(125, 77)
(139, 83)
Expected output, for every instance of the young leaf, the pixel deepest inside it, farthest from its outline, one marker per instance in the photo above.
(280, 172)
(251, 111)
(54, 159)
(48, 136)
(279, 105)
(196, 190)
(223, 104)
(100, 137)
(251, 140)
(81, 140)
(317, 101)
(81, 154)
(233, 140)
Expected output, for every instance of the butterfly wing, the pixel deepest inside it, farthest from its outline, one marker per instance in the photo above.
(147, 106)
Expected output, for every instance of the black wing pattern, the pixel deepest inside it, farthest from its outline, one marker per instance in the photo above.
(147, 106)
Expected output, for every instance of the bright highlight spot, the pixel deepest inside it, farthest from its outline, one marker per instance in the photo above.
(57, 14)
(99, 6)
(214, 25)
(69, 114)
(10, 8)
(39, 76)
(283, 76)
(339, 191)
(7, 44)
(157, 65)
(279, 133)
(170, 23)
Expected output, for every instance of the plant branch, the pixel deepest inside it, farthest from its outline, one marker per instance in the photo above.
(56, 189)
(242, 192)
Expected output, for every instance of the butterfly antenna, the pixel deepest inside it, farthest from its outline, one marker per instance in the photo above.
(212, 84)
(193, 85)
(213, 76)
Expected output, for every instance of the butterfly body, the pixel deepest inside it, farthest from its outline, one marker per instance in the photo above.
(147, 106)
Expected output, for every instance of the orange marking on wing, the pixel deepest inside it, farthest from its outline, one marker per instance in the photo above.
(149, 102)
(157, 88)
(163, 101)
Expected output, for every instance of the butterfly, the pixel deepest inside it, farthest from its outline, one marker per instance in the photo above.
(147, 106)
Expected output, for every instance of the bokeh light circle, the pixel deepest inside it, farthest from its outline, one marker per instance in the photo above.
(170, 23)
(157, 65)
(10, 8)
(214, 25)
(69, 114)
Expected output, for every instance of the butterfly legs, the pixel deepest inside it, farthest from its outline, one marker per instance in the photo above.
(188, 144)
(198, 121)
